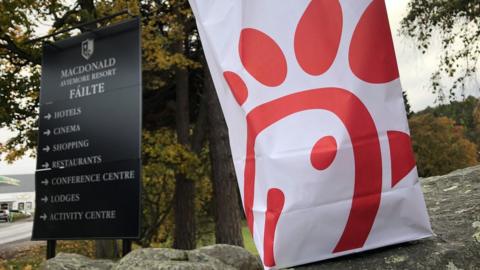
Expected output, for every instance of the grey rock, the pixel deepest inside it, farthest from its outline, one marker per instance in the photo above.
(453, 202)
(234, 256)
(154, 254)
(66, 261)
(216, 257)
(164, 258)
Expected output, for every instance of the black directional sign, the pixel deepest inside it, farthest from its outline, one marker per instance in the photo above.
(88, 165)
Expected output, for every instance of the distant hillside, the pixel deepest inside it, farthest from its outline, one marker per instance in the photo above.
(459, 111)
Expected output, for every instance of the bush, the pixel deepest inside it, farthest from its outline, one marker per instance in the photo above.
(440, 145)
(15, 216)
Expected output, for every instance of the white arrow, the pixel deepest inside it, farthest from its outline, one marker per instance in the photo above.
(45, 182)
(46, 149)
(44, 199)
(43, 217)
(47, 116)
(46, 132)
(45, 165)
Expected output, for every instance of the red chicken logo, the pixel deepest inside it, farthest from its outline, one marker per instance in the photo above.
(371, 59)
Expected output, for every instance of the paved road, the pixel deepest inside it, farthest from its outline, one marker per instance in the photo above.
(16, 231)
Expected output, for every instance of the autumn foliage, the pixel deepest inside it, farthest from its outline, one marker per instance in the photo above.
(440, 145)
(163, 157)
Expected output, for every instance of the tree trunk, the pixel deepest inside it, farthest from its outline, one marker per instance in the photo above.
(225, 188)
(106, 249)
(184, 235)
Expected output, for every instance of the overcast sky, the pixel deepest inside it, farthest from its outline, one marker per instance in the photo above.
(415, 70)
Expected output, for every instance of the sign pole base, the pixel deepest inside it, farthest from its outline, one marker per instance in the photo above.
(51, 246)
(126, 247)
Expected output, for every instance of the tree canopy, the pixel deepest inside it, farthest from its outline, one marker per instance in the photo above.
(462, 112)
(457, 24)
(440, 145)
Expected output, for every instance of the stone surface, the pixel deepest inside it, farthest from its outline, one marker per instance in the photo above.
(216, 257)
(235, 256)
(67, 261)
(453, 203)
(163, 258)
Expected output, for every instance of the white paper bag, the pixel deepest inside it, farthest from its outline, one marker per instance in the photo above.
(319, 136)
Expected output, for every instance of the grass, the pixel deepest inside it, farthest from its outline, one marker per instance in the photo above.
(31, 257)
(248, 241)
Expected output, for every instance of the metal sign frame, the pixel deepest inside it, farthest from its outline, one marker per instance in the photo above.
(65, 146)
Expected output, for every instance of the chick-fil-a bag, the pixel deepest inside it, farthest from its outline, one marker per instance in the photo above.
(319, 136)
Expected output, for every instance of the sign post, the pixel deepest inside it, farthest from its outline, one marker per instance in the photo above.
(89, 153)
(51, 246)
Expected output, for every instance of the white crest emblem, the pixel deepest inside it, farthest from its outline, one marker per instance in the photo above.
(87, 48)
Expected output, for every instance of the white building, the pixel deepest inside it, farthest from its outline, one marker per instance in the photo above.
(19, 197)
